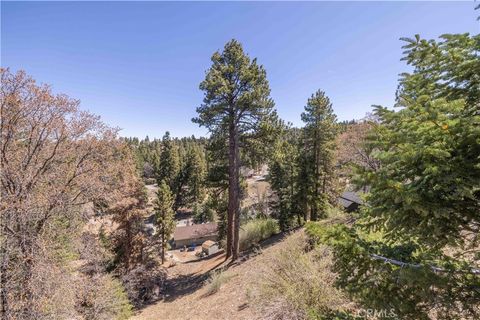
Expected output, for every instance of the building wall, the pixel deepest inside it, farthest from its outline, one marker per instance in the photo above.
(353, 207)
(195, 241)
(213, 249)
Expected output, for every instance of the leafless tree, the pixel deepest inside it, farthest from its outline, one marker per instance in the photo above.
(353, 148)
(54, 159)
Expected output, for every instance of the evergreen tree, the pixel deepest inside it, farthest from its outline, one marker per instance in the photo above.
(128, 213)
(422, 216)
(195, 172)
(190, 181)
(217, 203)
(319, 147)
(164, 216)
(204, 213)
(303, 180)
(283, 178)
(217, 181)
(235, 103)
(217, 163)
(433, 142)
(169, 163)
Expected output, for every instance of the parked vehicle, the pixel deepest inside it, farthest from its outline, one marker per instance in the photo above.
(200, 254)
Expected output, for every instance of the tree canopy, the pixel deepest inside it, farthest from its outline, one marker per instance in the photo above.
(416, 241)
(236, 103)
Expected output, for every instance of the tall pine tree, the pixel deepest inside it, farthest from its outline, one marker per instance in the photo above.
(164, 216)
(195, 171)
(169, 163)
(320, 132)
(237, 99)
(283, 178)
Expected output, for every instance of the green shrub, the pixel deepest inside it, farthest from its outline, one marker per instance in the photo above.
(61, 238)
(103, 297)
(216, 280)
(411, 291)
(295, 284)
(257, 230)
(203, 212)
(336, 212)
(122, 306)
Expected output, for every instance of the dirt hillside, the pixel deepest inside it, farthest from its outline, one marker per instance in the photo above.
(187, 293)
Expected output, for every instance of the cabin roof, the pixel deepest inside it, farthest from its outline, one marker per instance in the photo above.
(207, 244)
(195, 231)
(350, 197)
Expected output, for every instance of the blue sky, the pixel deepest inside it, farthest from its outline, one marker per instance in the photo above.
(138, 65)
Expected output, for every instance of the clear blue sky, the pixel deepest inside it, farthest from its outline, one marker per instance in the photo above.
(138, 65)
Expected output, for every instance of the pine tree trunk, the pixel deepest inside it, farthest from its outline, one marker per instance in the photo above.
(178, 197)
(314, 216)
(163, 247)
(128, 242)
(236, 226)
(231, 187)
(292, 193)
(305, 213)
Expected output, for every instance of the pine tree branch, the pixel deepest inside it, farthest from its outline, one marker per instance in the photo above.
(416, 265)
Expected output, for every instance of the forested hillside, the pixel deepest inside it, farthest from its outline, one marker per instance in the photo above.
(88, 217)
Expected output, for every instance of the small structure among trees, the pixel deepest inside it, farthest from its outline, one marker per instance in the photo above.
(350, 201)
(194, 234)
(210, 247)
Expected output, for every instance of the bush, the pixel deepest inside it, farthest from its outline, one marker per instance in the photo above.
(103, 297)
(216, 280)
(296, 284)
(410, 291)
(257, 230)
(150, 181)
(144, 284)
(203, 213)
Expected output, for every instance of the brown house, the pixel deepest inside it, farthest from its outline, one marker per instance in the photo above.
(195, 234)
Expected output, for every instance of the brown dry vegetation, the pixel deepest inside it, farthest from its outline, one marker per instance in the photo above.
(294, 281)
(58, 163)
(248, 289)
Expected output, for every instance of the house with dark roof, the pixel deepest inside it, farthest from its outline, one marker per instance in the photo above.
(194, 234)
(350, 201)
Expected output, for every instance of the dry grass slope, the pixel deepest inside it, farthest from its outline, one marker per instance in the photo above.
(251, 288)
(293, 283)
